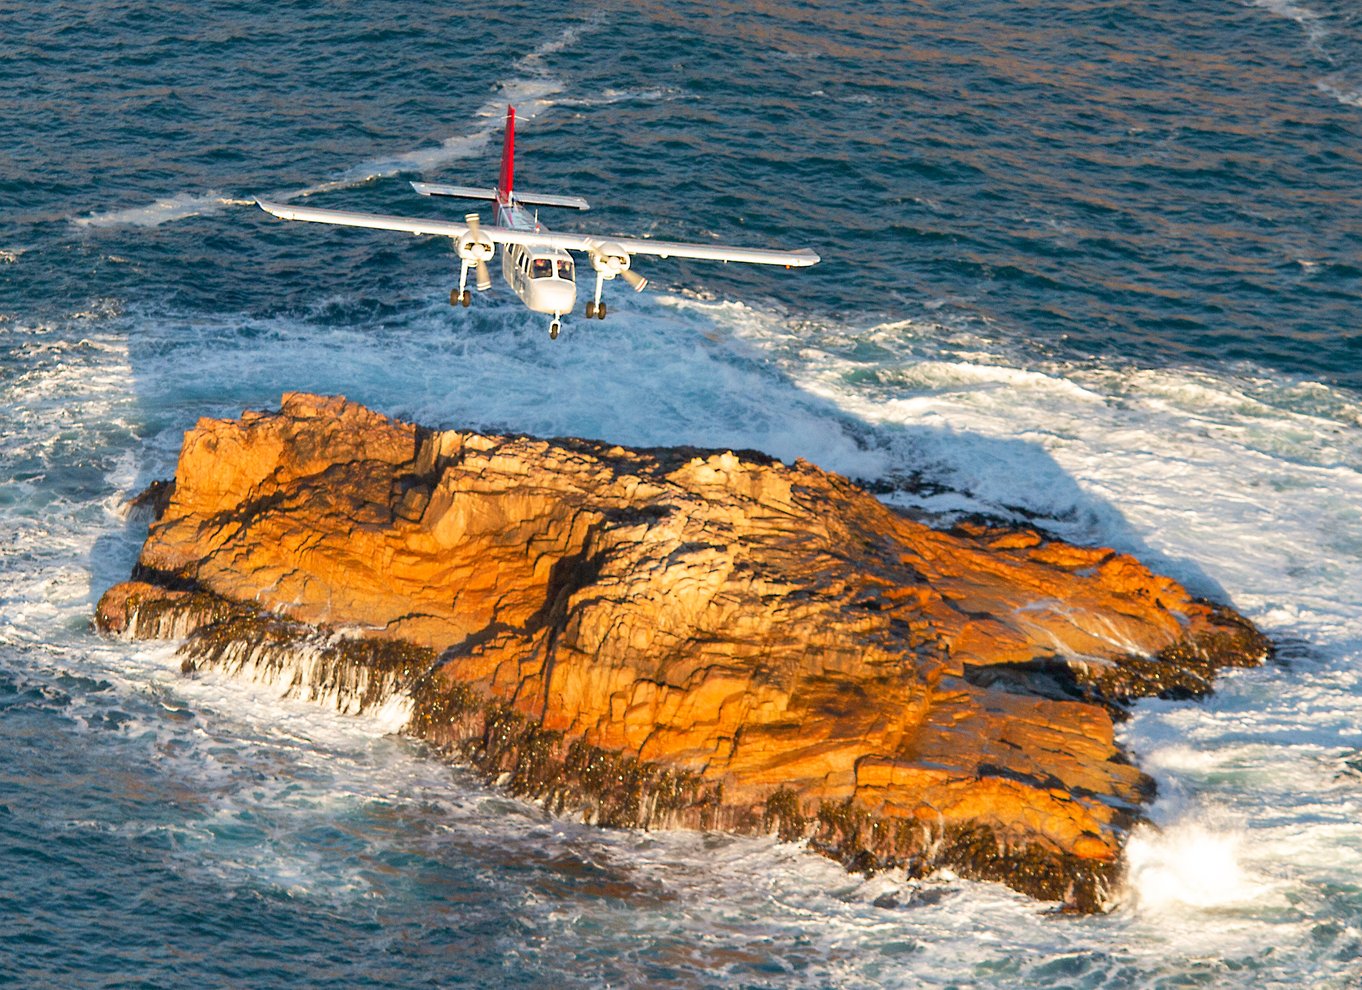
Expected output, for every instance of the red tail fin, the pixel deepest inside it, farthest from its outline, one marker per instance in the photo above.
(507, 158)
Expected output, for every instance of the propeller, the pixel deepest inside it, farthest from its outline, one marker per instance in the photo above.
(477, 248)
(634, 279)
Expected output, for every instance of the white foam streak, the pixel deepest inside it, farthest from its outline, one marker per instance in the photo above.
(177, 207)
(1309, 20)
(530, 91)
(1340, 91)
(530, 94)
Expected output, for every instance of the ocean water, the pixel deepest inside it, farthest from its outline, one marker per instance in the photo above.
(1094, 265)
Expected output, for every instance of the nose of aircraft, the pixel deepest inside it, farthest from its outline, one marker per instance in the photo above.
(555, 296)
(561, 296)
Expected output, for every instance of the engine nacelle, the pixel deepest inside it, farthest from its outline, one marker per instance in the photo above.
(610, 259)
(474, 248)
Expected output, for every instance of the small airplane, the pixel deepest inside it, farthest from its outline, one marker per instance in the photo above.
(535, 261)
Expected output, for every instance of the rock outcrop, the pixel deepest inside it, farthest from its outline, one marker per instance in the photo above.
(681, 637)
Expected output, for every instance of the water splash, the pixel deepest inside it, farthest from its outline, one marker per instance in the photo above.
(1190, 866)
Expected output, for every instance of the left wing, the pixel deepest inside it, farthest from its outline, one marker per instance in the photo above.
(345, 218)
(800, 258)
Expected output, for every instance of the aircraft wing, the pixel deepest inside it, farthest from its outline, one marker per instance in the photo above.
(345, 218)
(546, 238)
(800, 258)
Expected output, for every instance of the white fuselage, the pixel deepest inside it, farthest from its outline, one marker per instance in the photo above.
(543, 278)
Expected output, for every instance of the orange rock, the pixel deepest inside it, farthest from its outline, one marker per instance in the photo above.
(693, 637)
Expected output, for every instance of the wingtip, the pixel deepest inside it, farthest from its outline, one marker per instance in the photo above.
(273, 209)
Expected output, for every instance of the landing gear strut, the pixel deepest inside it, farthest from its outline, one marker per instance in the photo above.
(597, 308)
(461, 296)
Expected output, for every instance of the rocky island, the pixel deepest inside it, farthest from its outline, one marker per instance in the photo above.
(683, 638)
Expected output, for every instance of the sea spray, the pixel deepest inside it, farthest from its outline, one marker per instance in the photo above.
(1190, 866)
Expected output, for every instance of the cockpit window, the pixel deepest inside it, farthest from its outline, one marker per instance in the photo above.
(543, 267)
(564, 268)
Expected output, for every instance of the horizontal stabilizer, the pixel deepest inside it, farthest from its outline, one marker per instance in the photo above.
(474, 192)
(545, 199)
(463, 192)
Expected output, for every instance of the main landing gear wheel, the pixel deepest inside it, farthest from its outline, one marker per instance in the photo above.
(467, 298)
(554, 327)
(590, 310)
(457, 298)
(600, 311)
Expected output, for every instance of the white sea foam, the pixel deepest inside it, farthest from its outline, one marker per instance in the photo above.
(1241, 482)
(1346, 93)
(1190, 866)
(176, 207)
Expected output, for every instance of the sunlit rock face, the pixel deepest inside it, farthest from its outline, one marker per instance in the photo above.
(682, 637)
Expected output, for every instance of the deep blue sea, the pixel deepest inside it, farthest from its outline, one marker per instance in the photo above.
(1092, 264)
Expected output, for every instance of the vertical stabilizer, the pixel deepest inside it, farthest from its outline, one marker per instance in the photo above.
(507, 159)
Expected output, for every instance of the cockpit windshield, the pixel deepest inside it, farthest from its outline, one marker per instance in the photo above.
(564, 268)
(541, 268)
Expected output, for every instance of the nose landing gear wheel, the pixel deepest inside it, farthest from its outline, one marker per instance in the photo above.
(554, 327)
